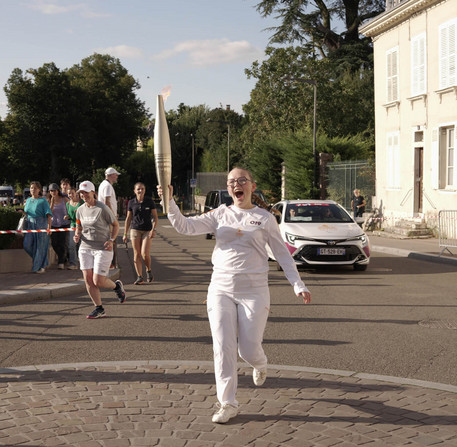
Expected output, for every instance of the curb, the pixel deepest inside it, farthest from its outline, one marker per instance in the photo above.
(414, 255)
(210, 365)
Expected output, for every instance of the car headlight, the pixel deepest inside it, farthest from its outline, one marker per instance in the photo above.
(363, 238)
(291, 238)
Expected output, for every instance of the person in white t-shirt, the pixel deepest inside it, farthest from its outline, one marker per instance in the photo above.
(107, 195)
(238, 299)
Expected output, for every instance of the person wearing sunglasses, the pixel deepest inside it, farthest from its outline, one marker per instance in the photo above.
(238, 298)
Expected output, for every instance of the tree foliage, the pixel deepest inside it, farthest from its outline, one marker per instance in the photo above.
(69, 123)
(324, 28)
(294, 152)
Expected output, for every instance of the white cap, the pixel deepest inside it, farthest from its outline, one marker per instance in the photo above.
(110, 171)
(86, 186)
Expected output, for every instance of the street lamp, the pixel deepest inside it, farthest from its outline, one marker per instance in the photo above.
(228, 139)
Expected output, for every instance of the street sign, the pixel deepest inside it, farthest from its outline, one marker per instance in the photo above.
(193, 182)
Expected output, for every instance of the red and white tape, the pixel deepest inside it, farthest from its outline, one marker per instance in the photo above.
(35, 231)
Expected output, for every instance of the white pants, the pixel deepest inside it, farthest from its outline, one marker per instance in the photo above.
(239, 306)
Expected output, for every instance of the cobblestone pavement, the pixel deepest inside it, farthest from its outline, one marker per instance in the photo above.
(149, 403)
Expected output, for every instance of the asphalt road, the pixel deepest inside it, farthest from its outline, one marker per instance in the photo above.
(398, 318)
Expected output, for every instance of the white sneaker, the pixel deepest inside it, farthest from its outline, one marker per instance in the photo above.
(72, 267)
(259, 376)
(61, 266)
(225, 413)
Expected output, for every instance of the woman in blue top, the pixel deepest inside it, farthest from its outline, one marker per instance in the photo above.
(39, 217)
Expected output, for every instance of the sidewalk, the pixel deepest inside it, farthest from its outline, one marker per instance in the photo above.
(170, 403)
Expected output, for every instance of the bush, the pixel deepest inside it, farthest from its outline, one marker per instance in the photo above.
(9, 219)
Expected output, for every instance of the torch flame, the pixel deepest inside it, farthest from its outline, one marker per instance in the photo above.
(165, 92)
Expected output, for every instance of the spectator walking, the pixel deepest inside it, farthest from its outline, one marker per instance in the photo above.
(238, 296)
(59, 239)
(97, 229)
(39, 216)
(142, 220)
(107, 195)
(358, 204)
(72, 205)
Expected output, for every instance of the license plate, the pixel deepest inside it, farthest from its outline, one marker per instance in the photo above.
(331, 251)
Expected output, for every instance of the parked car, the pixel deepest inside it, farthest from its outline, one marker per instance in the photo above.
(6, 195)
(221, 196)
(321, 232)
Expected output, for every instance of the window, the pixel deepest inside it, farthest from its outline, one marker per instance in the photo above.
(447, 159)
(392, 75)
(393, 160)
(448, 54)
(418, 65)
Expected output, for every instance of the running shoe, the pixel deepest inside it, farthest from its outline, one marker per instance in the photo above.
(61, 266)
(259, 376)
(42, 270)
(149, 276)
(139, 281)
(72, 267)
(225, 413)
(96, 313)
(120, 292)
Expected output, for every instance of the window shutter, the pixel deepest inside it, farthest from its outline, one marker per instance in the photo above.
(392, 75)
(448, 54)
(418, 66)
(435, 159)
(393, 160)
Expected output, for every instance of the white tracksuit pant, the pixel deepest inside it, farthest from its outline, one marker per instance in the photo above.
(237, 306)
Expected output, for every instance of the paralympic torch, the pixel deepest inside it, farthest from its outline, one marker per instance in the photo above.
(162, 152)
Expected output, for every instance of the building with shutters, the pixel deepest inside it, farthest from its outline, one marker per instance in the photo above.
(415, 67)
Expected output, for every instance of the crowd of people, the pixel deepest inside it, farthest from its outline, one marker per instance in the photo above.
(81, 225)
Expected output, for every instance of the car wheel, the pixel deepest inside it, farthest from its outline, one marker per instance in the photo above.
(278, 267)
(360, 267)
(209, 236)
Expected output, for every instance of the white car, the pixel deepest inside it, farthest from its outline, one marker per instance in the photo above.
(321, 232)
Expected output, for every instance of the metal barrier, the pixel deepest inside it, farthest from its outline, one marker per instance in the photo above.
(447, 227)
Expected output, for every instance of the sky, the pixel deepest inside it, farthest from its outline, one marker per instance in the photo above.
(198, 47)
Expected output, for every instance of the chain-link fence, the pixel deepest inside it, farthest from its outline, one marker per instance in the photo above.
(345, 176)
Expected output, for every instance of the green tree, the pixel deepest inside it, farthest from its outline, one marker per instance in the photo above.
(283, 98)
(313, 26)
(40, 128)
(294, 151)
(70, 123)
(112, 114)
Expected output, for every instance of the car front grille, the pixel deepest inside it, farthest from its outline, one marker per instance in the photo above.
(310, 253)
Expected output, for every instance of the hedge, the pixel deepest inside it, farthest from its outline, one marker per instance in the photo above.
(9, 219)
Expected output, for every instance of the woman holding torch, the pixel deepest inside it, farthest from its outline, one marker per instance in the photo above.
(238, 296)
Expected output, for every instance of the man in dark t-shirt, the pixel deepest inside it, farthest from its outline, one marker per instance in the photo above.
(358, 204)
(142, 221)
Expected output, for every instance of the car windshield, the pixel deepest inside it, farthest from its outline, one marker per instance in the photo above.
(316, 213)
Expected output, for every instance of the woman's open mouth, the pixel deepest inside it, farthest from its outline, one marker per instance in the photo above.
(239, 194)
